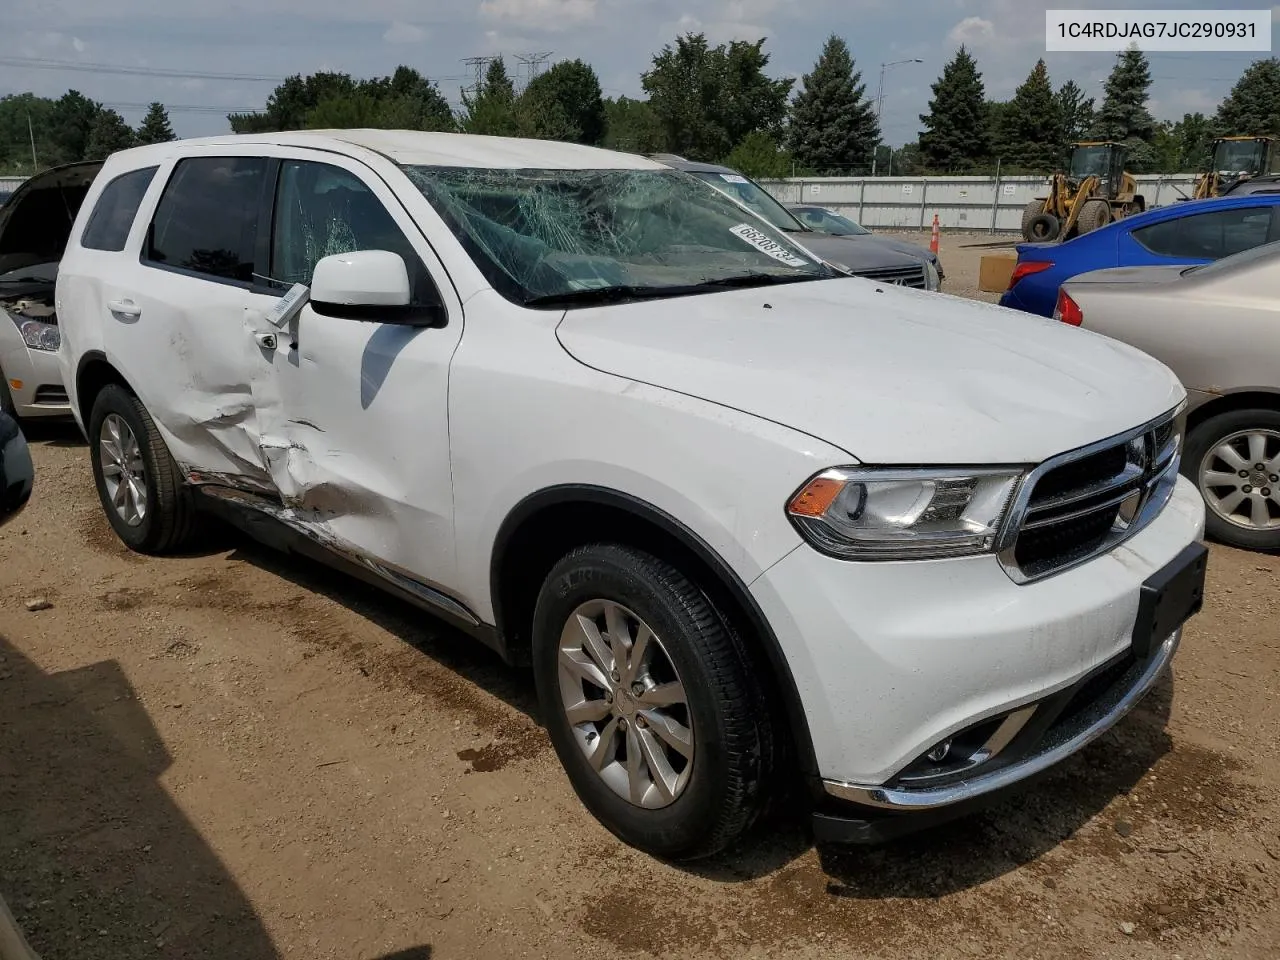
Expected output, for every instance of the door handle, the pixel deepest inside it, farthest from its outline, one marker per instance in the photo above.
(267, 341)
(124, 308)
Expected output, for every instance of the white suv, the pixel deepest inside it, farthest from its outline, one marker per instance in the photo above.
(751, 522)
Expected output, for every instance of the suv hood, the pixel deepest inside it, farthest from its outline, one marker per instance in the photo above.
(890, 375)
(35, 223)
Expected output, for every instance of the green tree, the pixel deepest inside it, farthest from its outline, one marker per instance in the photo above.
(71, 123)
(1076, 112)
(1192, 142)
(24, 117)
(906, 161)
(1124, 116)
(568, 96)
(1028, 130)
(1252, 108)
(410, 102)
(708, 99)
(632, 127)
(155, 126)
(833, 126)
(492, 112)
(955, 128)
(292, 101)
(108, 134)
(759, 156)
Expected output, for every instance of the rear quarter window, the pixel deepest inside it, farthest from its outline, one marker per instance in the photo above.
(112, 217)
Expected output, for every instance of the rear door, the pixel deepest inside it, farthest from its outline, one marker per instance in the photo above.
(1201, 237)
(176, 317)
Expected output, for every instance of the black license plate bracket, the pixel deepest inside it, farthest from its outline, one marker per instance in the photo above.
(1169, 598)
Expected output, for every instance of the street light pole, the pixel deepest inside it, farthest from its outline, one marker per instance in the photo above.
(880, 102)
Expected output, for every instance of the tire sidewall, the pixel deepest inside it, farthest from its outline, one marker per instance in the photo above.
(1050, 223)
(113, 399)
(599, 573)
(1204, 438)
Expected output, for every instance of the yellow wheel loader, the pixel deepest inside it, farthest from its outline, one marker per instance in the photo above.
(1235, 160)
(1094, 191)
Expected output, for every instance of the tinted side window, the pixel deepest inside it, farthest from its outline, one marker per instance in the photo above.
(207, 218)
(112, 216)
(1209, 236)
(322, 210)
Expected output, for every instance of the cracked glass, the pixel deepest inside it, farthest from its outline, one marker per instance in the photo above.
(549, 235)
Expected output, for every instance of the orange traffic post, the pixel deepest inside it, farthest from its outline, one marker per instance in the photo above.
(933, 241)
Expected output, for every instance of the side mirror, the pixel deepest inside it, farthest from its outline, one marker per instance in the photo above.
(371, 285)
(17, 474)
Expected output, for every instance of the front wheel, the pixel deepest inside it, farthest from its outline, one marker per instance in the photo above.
(141, 488)
(650, 702)
(1234, 460)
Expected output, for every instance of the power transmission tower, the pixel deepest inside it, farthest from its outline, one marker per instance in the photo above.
(480, 64)
(531, 65)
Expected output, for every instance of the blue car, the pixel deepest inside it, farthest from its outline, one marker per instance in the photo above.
(1198, 231)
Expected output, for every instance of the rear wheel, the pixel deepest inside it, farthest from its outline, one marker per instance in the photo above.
(1094, 215)
(651, 703)
(142, 490)
(1234, 459)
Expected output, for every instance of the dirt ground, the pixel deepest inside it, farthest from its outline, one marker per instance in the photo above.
(238, 755)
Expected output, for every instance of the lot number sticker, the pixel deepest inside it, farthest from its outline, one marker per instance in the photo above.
(732, 178)
(771, 247)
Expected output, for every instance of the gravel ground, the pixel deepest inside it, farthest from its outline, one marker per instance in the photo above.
(237, 755)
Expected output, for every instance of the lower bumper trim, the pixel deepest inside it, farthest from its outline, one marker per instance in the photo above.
(905, 799)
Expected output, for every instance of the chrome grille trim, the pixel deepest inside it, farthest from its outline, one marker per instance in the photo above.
(1150, 455)
(901, 276)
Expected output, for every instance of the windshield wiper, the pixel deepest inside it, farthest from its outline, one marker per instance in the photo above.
(759, 279)
(619, 293)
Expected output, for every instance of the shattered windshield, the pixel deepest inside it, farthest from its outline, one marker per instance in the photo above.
(754, 197)
(562, 236)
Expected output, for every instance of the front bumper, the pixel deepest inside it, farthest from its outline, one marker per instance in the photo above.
(34, 379)
(892, 659)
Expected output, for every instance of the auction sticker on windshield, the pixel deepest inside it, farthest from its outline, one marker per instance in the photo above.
(762, 243)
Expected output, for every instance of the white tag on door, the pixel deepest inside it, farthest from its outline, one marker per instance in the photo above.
(287, 307)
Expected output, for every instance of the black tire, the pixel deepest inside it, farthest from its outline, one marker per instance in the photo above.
(1208, 436)
(1032, 210)
(730, 778)
(1094, 215)
(1042, 228)
(170, 521)
(6, 398)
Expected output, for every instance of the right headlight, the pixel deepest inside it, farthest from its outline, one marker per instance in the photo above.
(872, 514)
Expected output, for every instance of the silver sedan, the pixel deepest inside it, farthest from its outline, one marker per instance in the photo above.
(1217, 326)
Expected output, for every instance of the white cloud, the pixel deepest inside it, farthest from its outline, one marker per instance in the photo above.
(540, 14)
(972, 32)
(401, 32)
(77, 44)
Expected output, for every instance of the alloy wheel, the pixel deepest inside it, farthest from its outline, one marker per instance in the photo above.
(123, 471)
(1240, 479)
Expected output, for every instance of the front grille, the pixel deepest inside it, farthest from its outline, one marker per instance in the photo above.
(899, 276)
(51, 395)
(1086, 502)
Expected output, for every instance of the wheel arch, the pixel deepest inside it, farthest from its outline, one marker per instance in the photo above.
(93, 372)
(1263, 398)
(544, 526)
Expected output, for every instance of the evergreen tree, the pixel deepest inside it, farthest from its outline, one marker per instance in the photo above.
(1075, 112)
(155, 126)
(1252, 108)
(833, 126)
(1029, 128)
(955, 128)
(108, 134)
(72, 122)
(1124, 116)
(493, 111)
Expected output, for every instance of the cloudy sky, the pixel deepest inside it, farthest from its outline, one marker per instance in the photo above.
(187, 56)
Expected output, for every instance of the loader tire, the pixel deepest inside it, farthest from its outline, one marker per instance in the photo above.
(1043, 227)
(1094, 215)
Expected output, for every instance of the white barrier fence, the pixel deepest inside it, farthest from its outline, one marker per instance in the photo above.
(992, 204)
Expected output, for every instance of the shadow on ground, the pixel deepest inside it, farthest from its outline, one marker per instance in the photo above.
(95, 858)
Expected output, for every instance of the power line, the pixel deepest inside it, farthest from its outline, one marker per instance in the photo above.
(43, 63)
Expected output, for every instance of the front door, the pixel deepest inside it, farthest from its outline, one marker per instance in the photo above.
(355, 427)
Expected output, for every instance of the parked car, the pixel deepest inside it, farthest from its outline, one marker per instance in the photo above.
(746, 517)
(17, 474)
(1182, 234)
(34, 226)
(838, 225)
(1265, 183)
(876, 261)
(1218, 327)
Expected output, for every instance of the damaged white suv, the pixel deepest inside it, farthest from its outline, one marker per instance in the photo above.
(751, 521)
